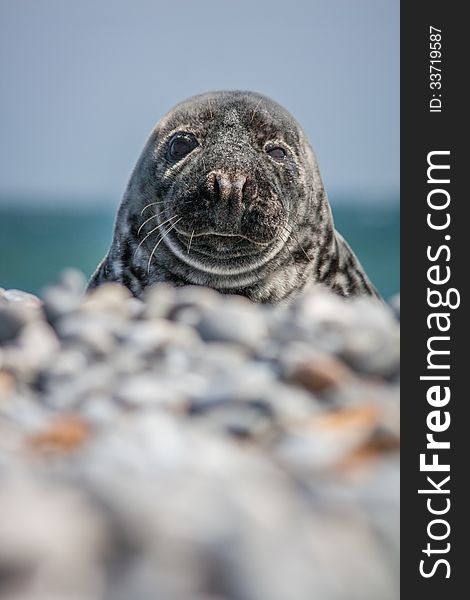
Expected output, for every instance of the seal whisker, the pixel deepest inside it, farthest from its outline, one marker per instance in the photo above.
(154, 229)
(254, 112)
(190, 241)
(288, 230)
(145, 223)
(172, 226)
(155, 203)
(162, 212)
(291, 232)
(291, 255)
(151, 204)
(150, 218)
(244, 237)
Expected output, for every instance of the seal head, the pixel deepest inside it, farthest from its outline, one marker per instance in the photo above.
(227, 194)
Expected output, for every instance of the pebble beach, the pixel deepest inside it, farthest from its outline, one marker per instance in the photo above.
(194, 446)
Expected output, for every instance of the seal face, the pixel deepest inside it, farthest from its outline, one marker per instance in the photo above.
(227, 194)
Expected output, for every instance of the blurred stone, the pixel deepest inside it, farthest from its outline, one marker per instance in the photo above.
(322, 372)
(74, 281)
(24, 299)
(372, 352)
(110, 298)
(94, 332)
(144, 389)
(64, 434)
(7, 384)
(70, 362)
(59, 302)
(197, 446)
(234, 322)
(10, 324)
(51, 542)
(327, 439)
(34, 347)
(159, 300)
(395, 305)
(150, 336)
(100, 410)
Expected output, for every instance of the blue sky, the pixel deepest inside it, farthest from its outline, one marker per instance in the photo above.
(83, 83)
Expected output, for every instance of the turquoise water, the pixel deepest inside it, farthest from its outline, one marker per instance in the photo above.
(37, 242)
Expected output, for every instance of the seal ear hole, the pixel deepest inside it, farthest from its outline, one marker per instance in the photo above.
(277, 153)
(180, 145)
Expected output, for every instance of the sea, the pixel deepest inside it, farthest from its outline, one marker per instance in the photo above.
(38, 241)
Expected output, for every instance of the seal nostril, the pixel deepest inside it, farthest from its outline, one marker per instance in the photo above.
(249, 190)
(213, 185)
(240, 184)
(216, 187)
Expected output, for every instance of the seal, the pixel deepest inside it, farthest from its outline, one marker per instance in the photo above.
(227, 194)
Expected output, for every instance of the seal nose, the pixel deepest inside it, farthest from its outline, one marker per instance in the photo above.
(225, 187)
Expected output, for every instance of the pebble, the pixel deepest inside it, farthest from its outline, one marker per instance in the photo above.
(10, 324)
(322, 372)
(395, 305)
(148, 337)
(197, 446)
(24, 299)
(237, 323)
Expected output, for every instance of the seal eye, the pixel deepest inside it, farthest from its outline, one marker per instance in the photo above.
(277, 153)
(181, 145)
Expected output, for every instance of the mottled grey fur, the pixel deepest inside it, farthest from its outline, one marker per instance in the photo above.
(228, 215)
